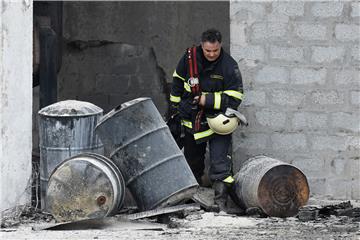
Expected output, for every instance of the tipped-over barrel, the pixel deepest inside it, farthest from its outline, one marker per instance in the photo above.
(85, 186)
(154, 168)
(278, 188)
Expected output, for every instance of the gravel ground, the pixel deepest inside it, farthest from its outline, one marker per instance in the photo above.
(196, 225)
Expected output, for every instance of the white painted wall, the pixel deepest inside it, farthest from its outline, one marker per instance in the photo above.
(16, 19)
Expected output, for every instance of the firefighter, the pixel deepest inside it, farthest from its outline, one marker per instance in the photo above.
(206, 82)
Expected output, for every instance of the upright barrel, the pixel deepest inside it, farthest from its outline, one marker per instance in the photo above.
(85, 186)
(154, 168)
(278, 188)
(66, 129)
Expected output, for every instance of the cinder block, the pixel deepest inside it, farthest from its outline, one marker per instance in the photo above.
(289, 142)
(311, 167)
(310, 31)
(238, 33)
(326, 97)
(250, 141)
(338, 166)
(270, 74)
(271, 118)
(339, 188)
(317, 184)
(346, 121)
(291, 9)
(285, 97)
(355, 189)
(309, 120)
(355, 9)
(327, 54)
(345, 32)
(251, 10)
(308, 76)
(355, 98)
(347, 77)
(355, 53)
(248, 52)
(264, 31)
(290, 54)
(334, 143)
(327, 9)
(254, 97)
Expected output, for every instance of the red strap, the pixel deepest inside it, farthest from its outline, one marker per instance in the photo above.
(190, 62)
(195, 64)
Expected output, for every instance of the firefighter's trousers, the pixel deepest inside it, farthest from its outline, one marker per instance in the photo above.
(220, 160)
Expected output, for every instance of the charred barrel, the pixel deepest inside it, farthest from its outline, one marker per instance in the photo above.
(85, 186)
(278, 188)
(66, 128)
(141, 145)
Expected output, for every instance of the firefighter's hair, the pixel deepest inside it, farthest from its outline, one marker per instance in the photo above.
(211, 35)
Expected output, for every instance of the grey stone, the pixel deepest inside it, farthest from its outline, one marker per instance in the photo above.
(290, 9)
(327, 9)
(326, 97)
(253, 10)
(310, 31)
(347, 32)
(289, 141)
(339, 188)
(306, 76)
(355, 9)
(254, 97)
(253, 52)
(286, 97)
(264, 31)
(347, 77)
(309, 120)
(355, 53)
(346, 121)
(250, 141)
(355, 98)
(309, 166)
(290, 54)
(271, 118)
(327, 54)
(334, 143)
(317, 185)
(270, 74)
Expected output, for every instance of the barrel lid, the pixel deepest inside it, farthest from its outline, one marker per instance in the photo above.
(122, 107)
(69, 108)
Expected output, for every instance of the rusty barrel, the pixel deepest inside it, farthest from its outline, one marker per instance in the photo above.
(66, 128)
(278, 188)
(141, 145)
(85, 186)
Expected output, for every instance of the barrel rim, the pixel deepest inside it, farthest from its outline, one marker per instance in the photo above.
(121, 107)
(113, 168)
(263, 207)
(97, 110)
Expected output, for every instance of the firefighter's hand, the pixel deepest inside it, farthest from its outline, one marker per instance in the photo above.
(200, 100)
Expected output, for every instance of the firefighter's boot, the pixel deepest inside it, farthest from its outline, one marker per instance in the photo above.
(221, 194)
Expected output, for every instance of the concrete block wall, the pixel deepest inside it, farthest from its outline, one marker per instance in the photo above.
(300, 66)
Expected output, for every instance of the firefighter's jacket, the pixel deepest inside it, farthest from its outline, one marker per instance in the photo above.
(220, 81)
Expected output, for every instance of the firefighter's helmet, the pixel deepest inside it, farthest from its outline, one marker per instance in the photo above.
(222, 124)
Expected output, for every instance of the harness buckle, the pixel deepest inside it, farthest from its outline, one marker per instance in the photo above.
(193, 81)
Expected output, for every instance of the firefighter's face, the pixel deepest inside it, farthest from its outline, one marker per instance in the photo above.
(211, 50)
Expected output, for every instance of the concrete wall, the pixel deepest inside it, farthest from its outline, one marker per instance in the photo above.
(117, 51)
(15, 104)
(300, 65)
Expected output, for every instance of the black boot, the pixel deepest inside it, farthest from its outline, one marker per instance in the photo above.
(221, 194)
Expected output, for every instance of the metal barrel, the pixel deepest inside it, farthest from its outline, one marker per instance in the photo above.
(85, 186)
(66, 129)
(154, 168)
(278, 188)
